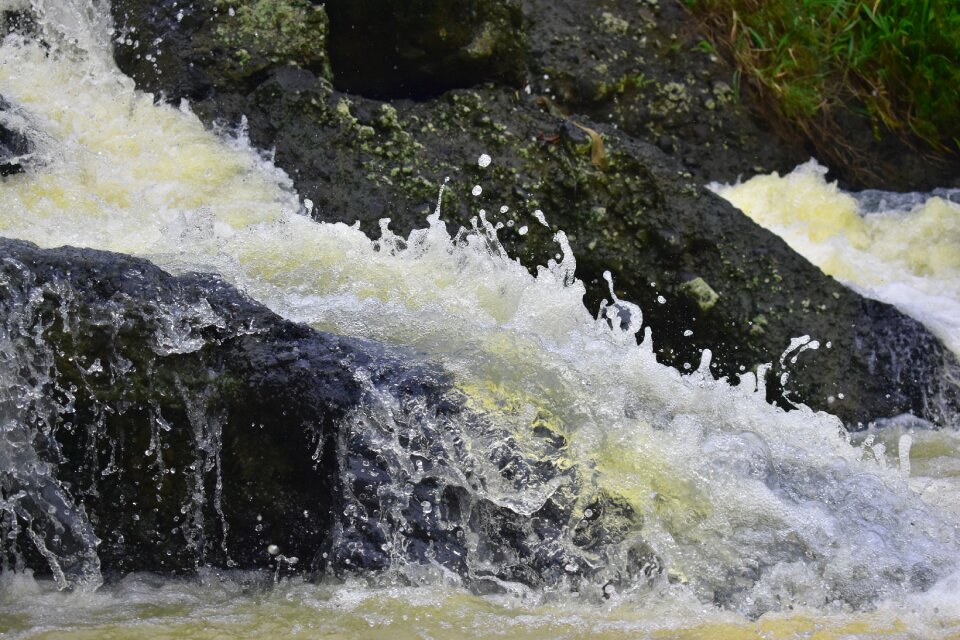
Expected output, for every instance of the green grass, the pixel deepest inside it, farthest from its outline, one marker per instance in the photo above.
(896, 61)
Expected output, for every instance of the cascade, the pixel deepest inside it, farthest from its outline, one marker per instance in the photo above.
(433, 413)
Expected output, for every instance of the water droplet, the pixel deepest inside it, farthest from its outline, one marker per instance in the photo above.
(523, 230)
(661, 300)
(427, 507)
(484, 161)
(477, 190)
(273, 549)
(688, 333)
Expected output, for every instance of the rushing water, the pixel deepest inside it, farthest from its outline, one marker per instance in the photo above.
(900, 248)
(768, 523)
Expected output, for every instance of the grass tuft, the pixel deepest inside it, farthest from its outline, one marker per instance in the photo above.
(812, 61)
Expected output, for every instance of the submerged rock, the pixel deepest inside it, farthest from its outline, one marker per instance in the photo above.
(161, 423)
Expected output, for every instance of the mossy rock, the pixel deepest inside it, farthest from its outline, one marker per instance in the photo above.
(199, 47)
(628, 205)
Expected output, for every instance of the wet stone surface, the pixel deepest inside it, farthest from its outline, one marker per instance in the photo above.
(614, 133)
(184, 425)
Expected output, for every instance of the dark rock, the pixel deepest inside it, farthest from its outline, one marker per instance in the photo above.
(17, 21)
(638, 65)
(626, 205)
(15, 147)
(420, 48)
(185, 425)
(195, 48)
(148, 391)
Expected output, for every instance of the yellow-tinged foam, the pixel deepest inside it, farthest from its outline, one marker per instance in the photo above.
(908, 258)
(139, 609)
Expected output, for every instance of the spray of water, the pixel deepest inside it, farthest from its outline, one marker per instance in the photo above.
(739, 503)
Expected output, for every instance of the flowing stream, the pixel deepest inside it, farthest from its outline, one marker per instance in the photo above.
(902, 248)
(766, 523)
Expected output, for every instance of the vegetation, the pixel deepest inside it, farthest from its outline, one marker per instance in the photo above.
(814, 61)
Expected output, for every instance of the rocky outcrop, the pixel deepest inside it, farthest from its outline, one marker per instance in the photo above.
(184, 425)
(610, 148)
(692, 262)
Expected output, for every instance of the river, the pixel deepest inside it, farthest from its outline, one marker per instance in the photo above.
(769, 524)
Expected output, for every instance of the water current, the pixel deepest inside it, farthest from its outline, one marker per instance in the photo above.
(764, 523)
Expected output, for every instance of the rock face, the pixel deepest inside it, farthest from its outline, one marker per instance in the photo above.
(184, 425)
(613, 151)
(196, 49)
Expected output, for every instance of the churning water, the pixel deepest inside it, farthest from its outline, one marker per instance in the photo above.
(902, 248)
(762, 522)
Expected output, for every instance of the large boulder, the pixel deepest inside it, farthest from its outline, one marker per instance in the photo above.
(705, 275)
(158, 423)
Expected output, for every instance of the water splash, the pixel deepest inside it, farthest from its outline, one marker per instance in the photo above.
(900, 248)
(711, 490)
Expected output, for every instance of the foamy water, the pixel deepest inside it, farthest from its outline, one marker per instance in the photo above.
(900, 248)
(767, 512)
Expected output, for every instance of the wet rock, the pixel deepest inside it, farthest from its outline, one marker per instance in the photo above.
(420, 48)
(192, 49)
(627, 206)
(17, 20)
(642, 217)
(184, 425)
(178, 415)
(14, 144)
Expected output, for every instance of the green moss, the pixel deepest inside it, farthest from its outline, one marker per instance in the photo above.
(813, 60)
(264, 33)
(701, 293)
